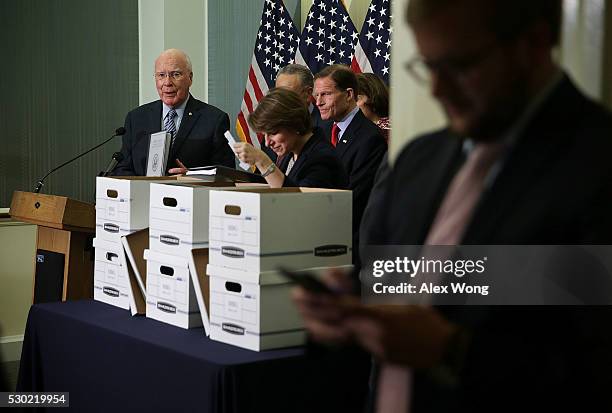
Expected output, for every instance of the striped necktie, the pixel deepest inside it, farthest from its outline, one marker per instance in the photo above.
(169, 124)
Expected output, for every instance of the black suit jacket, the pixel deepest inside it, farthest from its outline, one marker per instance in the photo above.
(555, 187)
(317, 166)
(361, 149)
(199, 140)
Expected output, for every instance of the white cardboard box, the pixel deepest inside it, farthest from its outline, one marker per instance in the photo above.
(253, 310)
(170, 294)
(111, 283)
(178, 217)
(259, 230)
(122, 205)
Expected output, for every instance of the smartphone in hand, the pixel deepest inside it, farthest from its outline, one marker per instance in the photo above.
(307, 280)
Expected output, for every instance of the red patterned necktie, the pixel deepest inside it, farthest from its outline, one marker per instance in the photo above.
(334, 136)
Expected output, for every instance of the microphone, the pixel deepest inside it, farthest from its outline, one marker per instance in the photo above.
(117, 157)
(118, 132)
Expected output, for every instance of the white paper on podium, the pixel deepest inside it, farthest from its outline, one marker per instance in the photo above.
(231, 141)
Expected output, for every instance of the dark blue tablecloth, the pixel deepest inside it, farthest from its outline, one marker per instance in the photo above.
(111, 361)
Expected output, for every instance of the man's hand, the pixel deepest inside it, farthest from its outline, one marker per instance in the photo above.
(181, 170)
(415, 336)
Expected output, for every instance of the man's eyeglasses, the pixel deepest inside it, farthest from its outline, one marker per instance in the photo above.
(176, 75)
(456, 67)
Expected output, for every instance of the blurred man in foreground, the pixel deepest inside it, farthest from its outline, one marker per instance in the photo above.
(521, 162)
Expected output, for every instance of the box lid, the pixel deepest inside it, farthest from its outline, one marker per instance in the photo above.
(261, 278)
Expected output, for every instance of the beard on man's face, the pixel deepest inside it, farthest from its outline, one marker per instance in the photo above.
(496, 115)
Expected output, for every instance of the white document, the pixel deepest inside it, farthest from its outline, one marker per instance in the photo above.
(231, 141)
(157, 159)
(206, 170)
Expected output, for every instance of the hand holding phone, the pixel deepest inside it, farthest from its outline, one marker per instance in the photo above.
(307, 280)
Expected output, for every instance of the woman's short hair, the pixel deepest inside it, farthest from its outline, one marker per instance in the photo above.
(377, 92)
(281, 109)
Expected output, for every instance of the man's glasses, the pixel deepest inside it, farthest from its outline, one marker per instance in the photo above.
(176, 75)
(456, 68)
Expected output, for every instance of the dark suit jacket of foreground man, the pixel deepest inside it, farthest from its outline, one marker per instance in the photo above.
(555, 187)
(361, 149)
(199, 139)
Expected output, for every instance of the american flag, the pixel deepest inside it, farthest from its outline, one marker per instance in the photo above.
(373, 52)
(329, 36)
(275, 47)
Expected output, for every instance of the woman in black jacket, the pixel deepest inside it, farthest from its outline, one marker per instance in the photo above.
(305, 157)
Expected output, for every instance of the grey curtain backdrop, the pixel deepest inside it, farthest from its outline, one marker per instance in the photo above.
(71, 74)
(232, 27)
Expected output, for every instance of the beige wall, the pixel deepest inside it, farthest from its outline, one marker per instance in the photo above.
(18, 243)
(164, 24)
(582, 54)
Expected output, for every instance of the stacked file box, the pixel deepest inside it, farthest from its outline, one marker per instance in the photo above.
(178, 223)
(122, 207)
(252, 233)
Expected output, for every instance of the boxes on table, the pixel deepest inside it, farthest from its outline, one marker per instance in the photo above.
(178, 217)
(252, 233)
(122, 208)
(259, 230)
(170, 292)
(178, 224)
(254, 310)
(111, 282)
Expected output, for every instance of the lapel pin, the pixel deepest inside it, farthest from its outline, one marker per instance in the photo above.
(343, 141)
(190, 113)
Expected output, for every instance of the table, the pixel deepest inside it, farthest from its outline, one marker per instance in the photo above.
(111, 361)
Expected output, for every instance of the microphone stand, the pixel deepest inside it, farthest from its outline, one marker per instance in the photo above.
(40, 183)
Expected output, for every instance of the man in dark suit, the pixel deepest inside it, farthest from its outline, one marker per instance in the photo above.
(358, 142)
(547, 181)
(197, 127)
(299, 79)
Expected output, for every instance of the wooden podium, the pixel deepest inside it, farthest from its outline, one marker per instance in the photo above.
(65, 226)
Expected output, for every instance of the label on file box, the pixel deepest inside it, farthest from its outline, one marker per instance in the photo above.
(232, 252)
(330, 250)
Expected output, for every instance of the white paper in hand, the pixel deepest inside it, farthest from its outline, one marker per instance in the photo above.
(231, 141)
